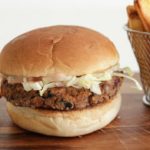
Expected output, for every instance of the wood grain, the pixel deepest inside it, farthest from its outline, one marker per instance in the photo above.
(130, 130)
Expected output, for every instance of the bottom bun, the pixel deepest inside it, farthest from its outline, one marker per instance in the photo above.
(65, 123)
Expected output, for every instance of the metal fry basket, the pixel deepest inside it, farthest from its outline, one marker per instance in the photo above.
(140, 42)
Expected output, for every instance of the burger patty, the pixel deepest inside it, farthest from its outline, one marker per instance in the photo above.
(60, 98)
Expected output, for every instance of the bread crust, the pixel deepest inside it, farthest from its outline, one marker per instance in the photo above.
(71, 50)
(65, 123)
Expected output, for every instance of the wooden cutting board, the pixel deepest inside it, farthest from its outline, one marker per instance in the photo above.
(130, 130)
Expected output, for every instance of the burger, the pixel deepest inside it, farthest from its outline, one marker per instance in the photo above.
(61, 80)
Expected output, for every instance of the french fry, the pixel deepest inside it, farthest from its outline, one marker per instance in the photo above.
(134, 21)
(143, 9)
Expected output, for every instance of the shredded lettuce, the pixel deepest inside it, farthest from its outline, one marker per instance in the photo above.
(88, 81)
(95, 88)
(126, 71)
(28, 86)
(50, 85)
(128, 77)
(72, 81)
(45, 87)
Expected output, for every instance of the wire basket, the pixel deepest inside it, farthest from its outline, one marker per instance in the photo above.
(140, 42)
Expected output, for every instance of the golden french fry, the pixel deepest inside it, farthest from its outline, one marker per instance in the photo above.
(143, 9)
(134, 21)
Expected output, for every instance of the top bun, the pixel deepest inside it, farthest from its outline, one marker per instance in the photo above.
(71, 50)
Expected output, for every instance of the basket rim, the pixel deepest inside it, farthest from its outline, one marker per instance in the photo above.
(135, 31)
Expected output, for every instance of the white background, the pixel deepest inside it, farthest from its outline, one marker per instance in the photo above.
(105, 16)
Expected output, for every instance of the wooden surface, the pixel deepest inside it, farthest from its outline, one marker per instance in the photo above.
(130, 130)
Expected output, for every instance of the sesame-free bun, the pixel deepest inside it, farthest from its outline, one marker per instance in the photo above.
(71, 50)
(65, 123)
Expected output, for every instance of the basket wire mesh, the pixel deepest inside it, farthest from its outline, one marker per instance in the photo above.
(140, 42)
